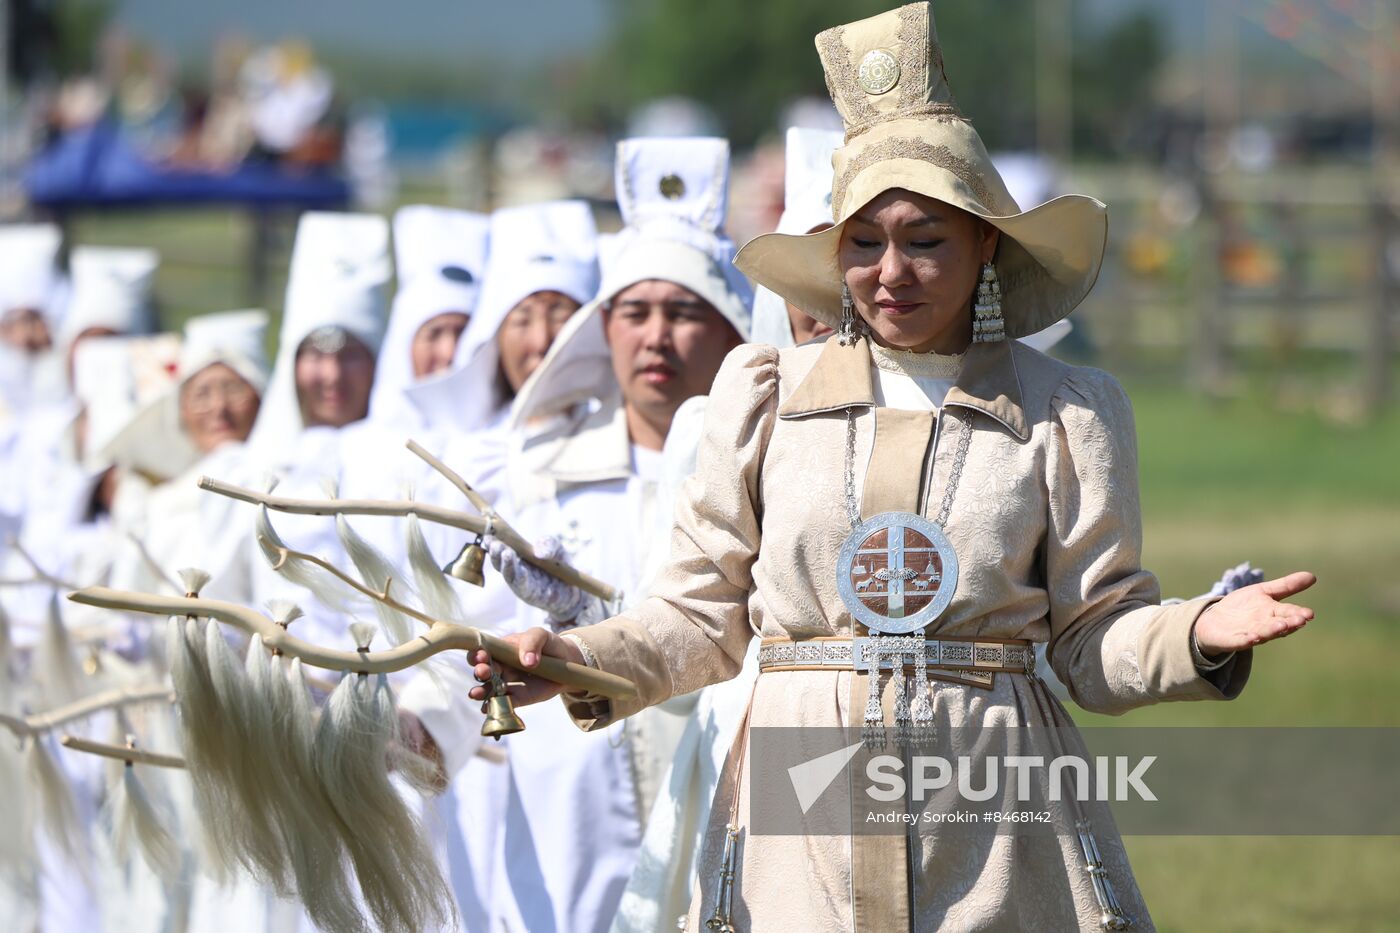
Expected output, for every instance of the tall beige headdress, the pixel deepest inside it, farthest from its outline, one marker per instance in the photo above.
(904, 130)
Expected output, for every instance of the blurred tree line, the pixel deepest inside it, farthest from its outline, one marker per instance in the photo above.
(746, 60)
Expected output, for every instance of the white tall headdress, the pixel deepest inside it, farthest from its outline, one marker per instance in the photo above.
(806, 204)
(111, 288)
(673, 194)
(29, 267)
(339, 275)
(534, 248)
(154, 441)
(115, 378)
(441, 258)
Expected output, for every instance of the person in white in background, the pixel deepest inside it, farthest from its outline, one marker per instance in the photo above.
(78, 542)
(332, 327)
(441, 258)
(110, 295)
(593, 418)
(543, 266)
(196, 428)
(30, 299)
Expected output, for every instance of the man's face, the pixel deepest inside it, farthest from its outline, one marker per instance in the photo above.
(667, 345)
(26, 330)
(333, 385)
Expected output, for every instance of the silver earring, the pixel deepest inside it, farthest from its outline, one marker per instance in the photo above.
(988, 326)
(847, 333)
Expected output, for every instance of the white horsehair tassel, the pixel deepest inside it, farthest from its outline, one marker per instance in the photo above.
(137, 826)
(193, 579)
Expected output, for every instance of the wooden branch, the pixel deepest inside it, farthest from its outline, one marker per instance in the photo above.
(433, 513)
(505, 531)
(285, 553)
(121, 753)
(441, 636)
(43, 576)
(475, 498)
(151, 564)
(110, 699)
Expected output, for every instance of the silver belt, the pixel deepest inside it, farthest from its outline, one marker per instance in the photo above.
(978, 656)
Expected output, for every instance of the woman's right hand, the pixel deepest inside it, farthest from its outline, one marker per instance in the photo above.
(528, 687)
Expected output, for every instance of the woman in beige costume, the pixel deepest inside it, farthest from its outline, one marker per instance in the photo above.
(1028, 465)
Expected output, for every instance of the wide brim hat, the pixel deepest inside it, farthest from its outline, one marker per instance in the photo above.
(904, 131)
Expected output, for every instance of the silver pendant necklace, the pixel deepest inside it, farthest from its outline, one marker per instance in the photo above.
(897, 573)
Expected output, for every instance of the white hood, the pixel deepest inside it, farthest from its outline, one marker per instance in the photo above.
(534, 248)
(339, 275)
(673, 194)
(441, 258)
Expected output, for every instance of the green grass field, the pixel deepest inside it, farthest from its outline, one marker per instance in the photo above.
(1228, 481)
(1257, 477)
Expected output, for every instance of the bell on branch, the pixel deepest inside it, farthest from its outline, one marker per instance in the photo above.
(468, 565)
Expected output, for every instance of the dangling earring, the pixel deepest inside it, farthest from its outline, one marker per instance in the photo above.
(847, 333)
(988, 326)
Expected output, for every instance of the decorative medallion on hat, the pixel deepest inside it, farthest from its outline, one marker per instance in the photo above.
(457, 274)
(879, 72)
(672, 187)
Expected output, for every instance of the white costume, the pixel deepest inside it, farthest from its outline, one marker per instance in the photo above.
(29, 280)
(184, 526)
(577, 801)
(339, 272)
(111, 290)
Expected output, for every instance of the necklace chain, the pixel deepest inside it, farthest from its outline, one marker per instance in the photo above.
(959, 461)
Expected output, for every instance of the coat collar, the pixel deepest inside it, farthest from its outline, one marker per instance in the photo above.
(590, 446)
(840, 378)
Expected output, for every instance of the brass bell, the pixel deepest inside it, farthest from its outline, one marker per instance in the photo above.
(468, 565)
(501, 718)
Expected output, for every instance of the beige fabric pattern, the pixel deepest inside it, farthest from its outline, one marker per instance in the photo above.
(1047, 527)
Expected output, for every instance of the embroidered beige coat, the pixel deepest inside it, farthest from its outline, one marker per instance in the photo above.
(1047, 527)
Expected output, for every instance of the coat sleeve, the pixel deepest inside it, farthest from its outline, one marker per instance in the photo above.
(1111, 642)
(694, 628)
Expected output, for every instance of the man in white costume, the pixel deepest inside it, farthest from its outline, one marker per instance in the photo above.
(593, 419)
(441, 259)
(75, 537)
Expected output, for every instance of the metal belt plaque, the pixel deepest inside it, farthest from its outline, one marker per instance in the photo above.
(897, 572)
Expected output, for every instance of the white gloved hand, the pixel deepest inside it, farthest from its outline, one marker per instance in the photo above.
(565, 605)
(1236, 577)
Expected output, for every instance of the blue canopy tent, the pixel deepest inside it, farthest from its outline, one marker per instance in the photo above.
(97, 167)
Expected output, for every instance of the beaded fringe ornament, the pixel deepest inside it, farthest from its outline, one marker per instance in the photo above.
(988, 326)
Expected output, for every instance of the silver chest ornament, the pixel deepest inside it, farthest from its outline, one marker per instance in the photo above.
(897, 572)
